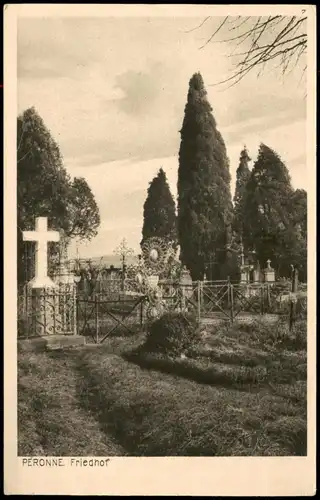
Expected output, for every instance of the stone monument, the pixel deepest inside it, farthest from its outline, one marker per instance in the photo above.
(269, 273)
(43, 290)
(186, 287)
(257, 273)
(67, 289)
(41, 236)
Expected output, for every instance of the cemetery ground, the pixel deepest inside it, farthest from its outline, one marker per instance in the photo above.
(240, 392)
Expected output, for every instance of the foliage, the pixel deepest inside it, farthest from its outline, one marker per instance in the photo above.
(50, 421)
(273, 336)
(172, 270)
(159, 211)
(90, 275)
(243, 175)
(172, 333)
(204, 198)
(270, 226)
(238, 355)
(297, 237)
(83, 210)
(45, 189)
(122, 409)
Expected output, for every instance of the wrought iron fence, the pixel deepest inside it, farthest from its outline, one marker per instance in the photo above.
(47, 312)
(233, 301)
(69, 309)
(101, 316)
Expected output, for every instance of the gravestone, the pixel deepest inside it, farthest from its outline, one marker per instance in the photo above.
(66, 297)
(269, 273)
(43, 290)
(185, 287)
(41, 236)
(257, 273)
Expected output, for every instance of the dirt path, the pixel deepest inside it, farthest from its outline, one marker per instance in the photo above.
(92, 402)
(52, 420)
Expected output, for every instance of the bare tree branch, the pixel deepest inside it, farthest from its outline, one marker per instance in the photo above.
(239, 25)
(238, 37)
(22, 134)
(24, 156)
(267, 54)
(215, 33)
(275, 37)
(267, 46)
(200, 25)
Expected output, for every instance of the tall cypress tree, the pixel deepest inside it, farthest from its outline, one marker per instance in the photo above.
(159, 211)
(204, 198)
(242, 177)
(296, 236)
(267, 221)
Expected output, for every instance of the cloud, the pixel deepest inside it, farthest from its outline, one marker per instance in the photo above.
(262, 123)
(267, 106)
(56, 47)
(109, 89)
(120, 188)
(299, 160)
(141, 90)
(113, 92)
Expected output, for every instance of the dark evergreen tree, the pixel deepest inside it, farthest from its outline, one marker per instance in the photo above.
(296, 236)
(204, 198)
(298, 204)
(268, 223)
(242, 177)
(159, 211)
(45, 189)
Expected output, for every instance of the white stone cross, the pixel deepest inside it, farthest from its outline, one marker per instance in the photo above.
(41, 236)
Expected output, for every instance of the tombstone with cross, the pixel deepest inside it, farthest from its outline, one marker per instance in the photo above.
(44, 292)
(41, 236)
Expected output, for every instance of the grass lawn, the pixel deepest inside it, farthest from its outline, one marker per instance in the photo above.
(93, 401)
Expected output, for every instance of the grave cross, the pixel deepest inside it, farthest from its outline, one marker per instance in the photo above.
(41, 236)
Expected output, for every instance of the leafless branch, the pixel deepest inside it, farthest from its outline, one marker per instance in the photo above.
(24, 156)
(216, 32)
(200, 25)
(21, 137)
(239, 25)
(287, 43)
(23, 129)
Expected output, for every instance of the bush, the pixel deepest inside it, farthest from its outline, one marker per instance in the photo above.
(293, 340)
(173, 333)
(275, 335)
(299, 334)
(23, 328)
(202, 370)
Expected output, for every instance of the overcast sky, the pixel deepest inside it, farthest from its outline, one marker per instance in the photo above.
(113, 90)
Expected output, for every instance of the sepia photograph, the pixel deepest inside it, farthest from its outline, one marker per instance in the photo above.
(162, 184)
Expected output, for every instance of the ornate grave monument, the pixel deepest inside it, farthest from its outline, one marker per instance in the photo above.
(269, 273)
(44, 293)
(40, 290)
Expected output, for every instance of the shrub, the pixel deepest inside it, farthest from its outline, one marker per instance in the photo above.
(173, 333)
(275, 335)
(23, 328)
(299, 334)
(293, 340)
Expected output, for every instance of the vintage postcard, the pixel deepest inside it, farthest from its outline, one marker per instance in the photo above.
(160, 241)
